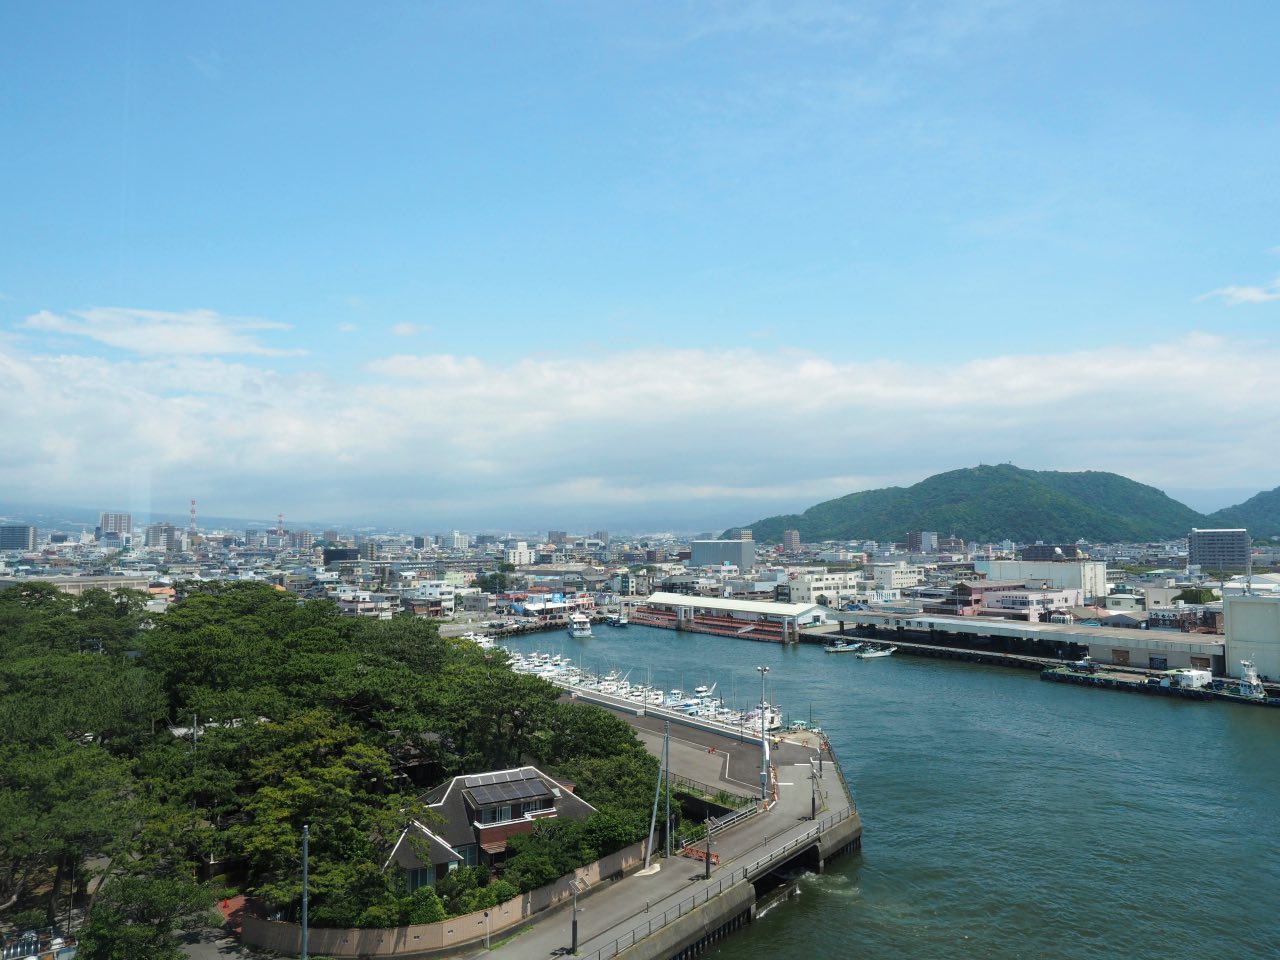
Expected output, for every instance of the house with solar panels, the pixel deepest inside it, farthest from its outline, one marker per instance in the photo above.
(475, 815)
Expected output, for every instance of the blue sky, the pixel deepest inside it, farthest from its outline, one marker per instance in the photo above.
(661, 252)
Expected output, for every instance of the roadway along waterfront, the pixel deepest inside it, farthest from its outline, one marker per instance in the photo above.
(1004, 817)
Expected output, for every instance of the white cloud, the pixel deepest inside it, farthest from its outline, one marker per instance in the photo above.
(408, 329)
(704, 437)
(347, 328)
(162, 332)
(1235, 295)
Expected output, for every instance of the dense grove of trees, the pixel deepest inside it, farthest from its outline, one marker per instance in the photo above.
(303, 717)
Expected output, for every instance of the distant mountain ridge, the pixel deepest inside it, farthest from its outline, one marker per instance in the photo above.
(1260, 514)
(992, 503)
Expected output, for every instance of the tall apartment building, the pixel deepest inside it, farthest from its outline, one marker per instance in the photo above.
(922, 541)
(164, 536)
(118, 523)
(744, 534)
(17, 537)
(557, 536)
(520, 555)
(791, 540)
(1219, 549)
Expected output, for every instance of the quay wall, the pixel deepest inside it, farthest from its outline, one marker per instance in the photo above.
(699, 929)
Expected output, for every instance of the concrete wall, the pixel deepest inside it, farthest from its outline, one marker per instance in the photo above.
(1146, 644)
(1253, 633)
(702, 922)
(286, 938)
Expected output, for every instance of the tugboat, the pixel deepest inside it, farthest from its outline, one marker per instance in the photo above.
(1248, 689)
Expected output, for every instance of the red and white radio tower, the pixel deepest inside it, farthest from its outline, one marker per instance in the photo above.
(280, 524)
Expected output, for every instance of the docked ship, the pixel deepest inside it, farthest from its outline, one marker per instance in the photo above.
(579, 625)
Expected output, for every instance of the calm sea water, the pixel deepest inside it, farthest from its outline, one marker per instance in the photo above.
(1005, 817)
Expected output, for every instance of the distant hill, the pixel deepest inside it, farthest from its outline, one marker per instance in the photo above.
(1260, 514)
(989, 503)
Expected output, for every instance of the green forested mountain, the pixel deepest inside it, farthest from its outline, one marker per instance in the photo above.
(1260, 514)
(994, 503)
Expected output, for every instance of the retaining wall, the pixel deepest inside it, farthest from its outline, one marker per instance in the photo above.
(447, 935)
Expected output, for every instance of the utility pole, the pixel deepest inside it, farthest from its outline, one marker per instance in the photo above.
(666, 765)
(813, 792)
(764, 743)
(306, 838)
(706, 872)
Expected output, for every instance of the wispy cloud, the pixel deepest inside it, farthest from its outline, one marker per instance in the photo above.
(240, 434)
(162, 332)
(1235, 295)
(409, 329)
(347, 328)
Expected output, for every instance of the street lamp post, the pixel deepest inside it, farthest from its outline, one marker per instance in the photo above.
(764, 745)
(706, 872)
(577, 886)
(813, 793)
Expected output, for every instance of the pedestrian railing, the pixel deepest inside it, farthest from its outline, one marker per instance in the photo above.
(723, 883)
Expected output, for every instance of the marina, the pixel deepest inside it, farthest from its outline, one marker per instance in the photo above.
(970, 777)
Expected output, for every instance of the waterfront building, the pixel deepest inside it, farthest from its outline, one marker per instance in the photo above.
(749, 619)
(1252, 625)
(827, 589)
(17, 537)
(1219, 549)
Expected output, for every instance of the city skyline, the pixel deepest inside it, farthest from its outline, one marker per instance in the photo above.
(490, 266)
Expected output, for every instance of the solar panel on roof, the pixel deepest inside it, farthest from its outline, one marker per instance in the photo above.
(508, 792)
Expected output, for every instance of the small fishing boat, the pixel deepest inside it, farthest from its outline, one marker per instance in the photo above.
(843, 646)
(873, 653)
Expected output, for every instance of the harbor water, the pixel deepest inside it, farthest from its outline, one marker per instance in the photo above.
(1004, 817)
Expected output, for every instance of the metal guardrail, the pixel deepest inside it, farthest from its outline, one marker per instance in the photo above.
(835, 762)
(708, 790)
(739, 874)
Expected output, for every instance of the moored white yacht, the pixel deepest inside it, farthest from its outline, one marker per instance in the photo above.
(579, 625)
